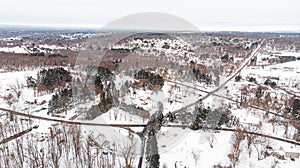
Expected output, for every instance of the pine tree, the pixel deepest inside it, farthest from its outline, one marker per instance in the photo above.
(152, 156)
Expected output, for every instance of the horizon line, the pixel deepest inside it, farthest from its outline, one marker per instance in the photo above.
(202, 28)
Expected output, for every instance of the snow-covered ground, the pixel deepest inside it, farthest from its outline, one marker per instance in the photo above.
(178, 147)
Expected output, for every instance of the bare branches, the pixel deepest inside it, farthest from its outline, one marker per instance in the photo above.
(211, 139)
(128, 151)
(236, 148)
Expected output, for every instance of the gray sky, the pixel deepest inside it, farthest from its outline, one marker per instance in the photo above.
(205, 14)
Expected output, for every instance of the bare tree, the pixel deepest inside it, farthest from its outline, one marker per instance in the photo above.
(251, 138)
(128, 151)
(260, 145)
(211, 139)
(19, 150)
(36, 154)
(234, 156)
(196, 155)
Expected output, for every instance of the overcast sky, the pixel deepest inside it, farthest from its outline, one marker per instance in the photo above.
(202, 13)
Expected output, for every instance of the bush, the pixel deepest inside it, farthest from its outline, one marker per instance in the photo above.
(273, 84)
(225, 57)
(237, 78)
(268, 82)
(252, 79)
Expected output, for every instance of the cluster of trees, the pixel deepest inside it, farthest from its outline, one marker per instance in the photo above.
(66, 146)
(104, 86)
(93, 112)
(199, 117)
(202, 77)
(252, 79)
(247, 143)
(284, 59)
(151, 78)
(97, 77)
(57, 55)
(61, 101)
(38, 54)
(107, 101)
(121, 50)
(216, 118)
(102, 75)
(268, 82)
(19, 62)
(53, 78)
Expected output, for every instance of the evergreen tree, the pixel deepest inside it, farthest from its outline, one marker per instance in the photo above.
(152, 156)
(296, 106)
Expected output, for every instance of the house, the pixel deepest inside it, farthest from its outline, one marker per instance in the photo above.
(292, 153)
(279, 154)
(286, 153)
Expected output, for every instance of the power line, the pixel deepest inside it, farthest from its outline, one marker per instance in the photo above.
(144, 125)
